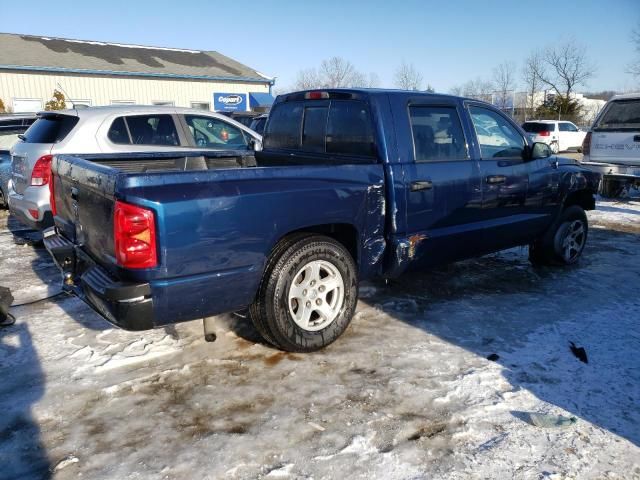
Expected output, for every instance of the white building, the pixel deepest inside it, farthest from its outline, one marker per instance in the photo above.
(98, 73)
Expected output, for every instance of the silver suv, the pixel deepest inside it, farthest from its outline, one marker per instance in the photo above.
(110, 130)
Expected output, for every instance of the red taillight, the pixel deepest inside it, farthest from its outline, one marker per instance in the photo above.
(34, 213)
(586, 144)
(316, 95)
(134, 233)
(544, 133)
(41, 173)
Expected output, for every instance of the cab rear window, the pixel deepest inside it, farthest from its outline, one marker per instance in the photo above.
(620, 114)
(340, 127)
(50, 129)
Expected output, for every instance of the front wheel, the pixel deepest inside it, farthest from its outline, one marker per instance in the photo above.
(564, 241)
(308, 294)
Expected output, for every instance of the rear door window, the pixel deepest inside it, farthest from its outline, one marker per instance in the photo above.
(567, 127)
(212, 132)
(118, 132)
(621, 115)
(437, 134)
(144, 130)
(50, 129)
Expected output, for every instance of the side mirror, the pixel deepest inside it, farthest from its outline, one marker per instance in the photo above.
(540, 150)
(255, 145)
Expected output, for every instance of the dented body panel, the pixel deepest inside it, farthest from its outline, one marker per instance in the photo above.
(217, 225)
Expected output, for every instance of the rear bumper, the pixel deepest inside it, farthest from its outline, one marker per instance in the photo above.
(126, 305)
(32, 207)
(614, 170)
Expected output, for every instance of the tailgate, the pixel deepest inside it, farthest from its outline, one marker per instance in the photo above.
(23, 158)
(84, 200)
(616, 147)
(616, 133)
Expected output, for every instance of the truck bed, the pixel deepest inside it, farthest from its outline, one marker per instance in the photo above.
(217, 218)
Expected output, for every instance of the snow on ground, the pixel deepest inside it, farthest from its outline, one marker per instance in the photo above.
(406, 393)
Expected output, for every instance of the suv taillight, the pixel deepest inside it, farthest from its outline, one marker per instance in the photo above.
(41, 173)
(134, 233)
(586, 144)
(544, 133)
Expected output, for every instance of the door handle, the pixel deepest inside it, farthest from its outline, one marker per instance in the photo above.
(421, 185)
(496, 179)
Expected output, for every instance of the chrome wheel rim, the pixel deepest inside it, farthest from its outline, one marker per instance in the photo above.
(573, 242)
(316, 295)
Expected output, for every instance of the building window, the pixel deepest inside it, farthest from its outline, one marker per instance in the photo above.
(27, 105)
(123, 102)
(201, 105)
(163, 103)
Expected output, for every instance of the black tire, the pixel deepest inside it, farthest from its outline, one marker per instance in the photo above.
(612, 188)
(271, 311)
(565, 240)
(3, 200)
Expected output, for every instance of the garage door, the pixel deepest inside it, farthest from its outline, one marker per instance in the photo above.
(25, 105)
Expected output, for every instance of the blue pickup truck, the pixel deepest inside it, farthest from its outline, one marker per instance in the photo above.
(349, 185)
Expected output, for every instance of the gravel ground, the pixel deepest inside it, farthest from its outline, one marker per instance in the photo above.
(406, 393)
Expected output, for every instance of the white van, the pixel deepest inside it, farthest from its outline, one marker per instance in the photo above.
(612, 146)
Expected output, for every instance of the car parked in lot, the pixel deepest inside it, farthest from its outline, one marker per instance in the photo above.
(559, 135)
(612, 146)
(350, 184)
(115, 129)
(10, 127)
(258, 123)
(243, 117)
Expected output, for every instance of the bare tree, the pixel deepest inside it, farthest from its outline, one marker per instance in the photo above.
(479, 89)
(374, 80)
(504, 84)
(337, 72)
(407, 77)
(567, 67)
(307, 79)
(531, 75)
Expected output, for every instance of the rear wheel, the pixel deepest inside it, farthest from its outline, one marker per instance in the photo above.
(308, 294)
(564, 241)
(3, 200)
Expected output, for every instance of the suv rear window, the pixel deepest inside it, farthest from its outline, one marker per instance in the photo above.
(621, 114)
(535, 127)
(338, 126)
(50, 129)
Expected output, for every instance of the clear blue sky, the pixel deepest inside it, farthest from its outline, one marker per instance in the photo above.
(450, 42)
